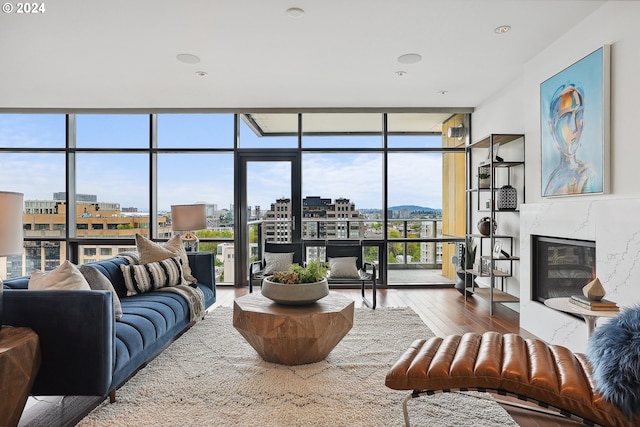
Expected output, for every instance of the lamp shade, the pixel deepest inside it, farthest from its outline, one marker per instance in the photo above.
(188, 217)
(11, 229)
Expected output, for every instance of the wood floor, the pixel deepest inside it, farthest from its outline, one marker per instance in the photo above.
(444, 311)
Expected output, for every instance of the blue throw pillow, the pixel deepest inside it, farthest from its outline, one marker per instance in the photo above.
(614, 353)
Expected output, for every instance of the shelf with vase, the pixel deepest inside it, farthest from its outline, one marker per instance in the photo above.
(502, 195)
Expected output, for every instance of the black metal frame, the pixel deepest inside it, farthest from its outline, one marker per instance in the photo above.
(542, 407)
(257, 267)
(70, 150)
(336, 249)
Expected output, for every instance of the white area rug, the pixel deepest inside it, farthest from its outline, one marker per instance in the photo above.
(212, 377)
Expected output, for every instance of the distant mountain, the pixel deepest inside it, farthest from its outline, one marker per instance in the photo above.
(413, 208)
(410, 208)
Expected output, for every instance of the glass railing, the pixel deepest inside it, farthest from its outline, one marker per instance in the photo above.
(411, 243)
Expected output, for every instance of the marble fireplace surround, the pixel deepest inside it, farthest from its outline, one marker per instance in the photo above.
(614, 224)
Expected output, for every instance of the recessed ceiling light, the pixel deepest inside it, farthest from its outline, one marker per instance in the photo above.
(201, 73)
(409, 58)
(502, 29)
(295, 12)
(187, 58)
(401, 73)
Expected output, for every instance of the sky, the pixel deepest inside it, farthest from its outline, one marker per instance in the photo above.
(183, 178)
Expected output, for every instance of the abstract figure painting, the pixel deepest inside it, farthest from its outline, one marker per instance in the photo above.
(574, 119)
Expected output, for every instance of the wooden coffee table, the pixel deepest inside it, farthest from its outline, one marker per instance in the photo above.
(293, 335)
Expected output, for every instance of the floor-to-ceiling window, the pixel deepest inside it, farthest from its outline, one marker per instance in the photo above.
(33, 162)
(367, 176)
(195, 164)
(111, 183)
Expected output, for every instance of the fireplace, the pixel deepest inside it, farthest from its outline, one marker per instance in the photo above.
(560, 267)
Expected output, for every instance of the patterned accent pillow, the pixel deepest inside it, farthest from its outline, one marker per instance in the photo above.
(151, 251)
(99, 282)
(143, 278)
(132, 257)
(64, 277)
(343, 268)
(275, 261)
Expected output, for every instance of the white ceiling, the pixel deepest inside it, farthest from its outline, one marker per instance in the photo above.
(85, 54)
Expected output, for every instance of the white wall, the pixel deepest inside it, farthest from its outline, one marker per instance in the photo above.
(614, 226)
(516, 109)
(615, 23)
(503, 113)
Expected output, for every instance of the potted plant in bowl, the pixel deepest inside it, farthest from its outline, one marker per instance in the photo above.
(297, 285)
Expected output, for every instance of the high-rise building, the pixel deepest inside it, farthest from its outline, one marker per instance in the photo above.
(431, 252)
(322, 219)
(314, 211)
(346, 224)
(277, 226)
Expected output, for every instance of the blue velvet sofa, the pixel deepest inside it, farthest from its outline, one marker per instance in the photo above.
(85, 351)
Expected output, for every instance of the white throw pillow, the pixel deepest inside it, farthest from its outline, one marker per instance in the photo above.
(64, 277)
(275, 261)
(151, 251)
(343, 268)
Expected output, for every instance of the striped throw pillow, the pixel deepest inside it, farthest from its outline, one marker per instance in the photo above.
(142, 278)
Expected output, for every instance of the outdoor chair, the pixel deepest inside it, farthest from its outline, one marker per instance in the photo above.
(275, 257)
(347, 266)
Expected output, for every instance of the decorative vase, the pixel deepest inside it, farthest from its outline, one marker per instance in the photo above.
(507, 198)
(484, 226)
(295, 294)
(461, 284)
(594, 290)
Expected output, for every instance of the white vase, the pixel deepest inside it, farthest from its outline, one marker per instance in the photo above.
(295, 294)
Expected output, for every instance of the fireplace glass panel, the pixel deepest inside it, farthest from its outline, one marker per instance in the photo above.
(561, 267)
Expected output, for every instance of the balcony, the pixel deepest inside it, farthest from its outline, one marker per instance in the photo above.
(413, 256)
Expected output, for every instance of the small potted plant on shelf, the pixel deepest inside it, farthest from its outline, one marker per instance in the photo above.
(297, 285)
(484, 178)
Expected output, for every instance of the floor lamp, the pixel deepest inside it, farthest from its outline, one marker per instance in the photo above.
(11, 233)
(188, 218)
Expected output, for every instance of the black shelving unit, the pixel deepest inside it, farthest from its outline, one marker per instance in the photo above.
(497, 267)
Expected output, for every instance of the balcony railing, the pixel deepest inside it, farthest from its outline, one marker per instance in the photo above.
(410, 243)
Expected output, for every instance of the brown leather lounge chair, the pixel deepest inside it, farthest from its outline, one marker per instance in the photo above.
(550, 376)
